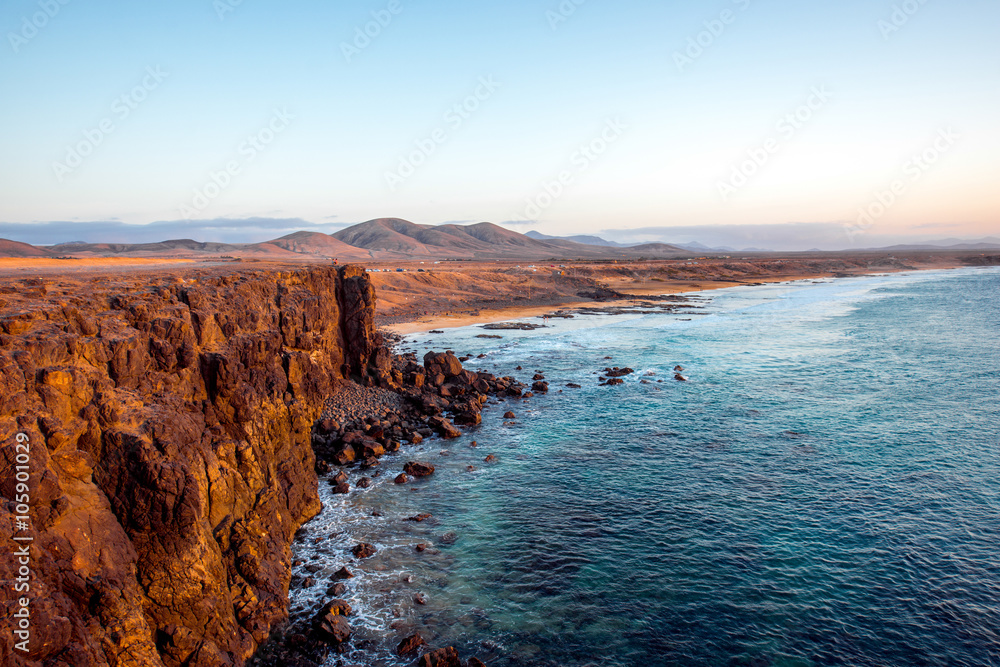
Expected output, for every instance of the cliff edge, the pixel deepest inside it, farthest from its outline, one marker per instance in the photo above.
(165, 422)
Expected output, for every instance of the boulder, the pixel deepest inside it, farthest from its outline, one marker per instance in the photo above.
(342, 488)
(445, 428)
(442, 657)
(446, 364)
(401, 478)
(509, 415)
(345, 456)
(364, 550)
(333, 630)
(410, 645)
(331, 625)
(418, 469)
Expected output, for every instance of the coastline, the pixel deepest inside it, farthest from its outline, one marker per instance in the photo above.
(632, 295)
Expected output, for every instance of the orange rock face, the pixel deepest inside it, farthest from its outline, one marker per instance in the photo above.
(169, 425)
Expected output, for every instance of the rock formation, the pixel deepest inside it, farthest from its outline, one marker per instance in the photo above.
(169, 421)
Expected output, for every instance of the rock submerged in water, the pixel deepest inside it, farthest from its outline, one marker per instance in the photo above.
(442, 657)
(418, 469)
(401, 478)
(491, 459)
(343, 573)
(410, 645)
(364, 550)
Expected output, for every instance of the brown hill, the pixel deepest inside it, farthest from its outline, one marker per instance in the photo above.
(388, 238)
(385, 234)
(315, 243)
(10, 248)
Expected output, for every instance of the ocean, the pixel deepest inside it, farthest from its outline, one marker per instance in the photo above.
(823, 490)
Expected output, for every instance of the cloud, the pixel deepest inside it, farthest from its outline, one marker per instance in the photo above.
(224, 230)
(517, 223)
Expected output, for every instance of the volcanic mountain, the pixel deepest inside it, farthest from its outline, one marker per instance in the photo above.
(381, 239)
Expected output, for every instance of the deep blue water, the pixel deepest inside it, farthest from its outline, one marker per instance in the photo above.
(824, 490)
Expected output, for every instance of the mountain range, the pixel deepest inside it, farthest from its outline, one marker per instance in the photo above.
(381, 239)
(392, 239)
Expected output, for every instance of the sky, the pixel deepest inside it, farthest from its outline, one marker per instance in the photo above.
(637, 120)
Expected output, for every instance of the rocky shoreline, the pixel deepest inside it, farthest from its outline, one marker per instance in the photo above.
(359, 426)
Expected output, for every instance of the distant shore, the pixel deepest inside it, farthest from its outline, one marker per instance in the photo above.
(415, 301)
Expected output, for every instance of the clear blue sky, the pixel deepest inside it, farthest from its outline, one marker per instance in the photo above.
(329, 127)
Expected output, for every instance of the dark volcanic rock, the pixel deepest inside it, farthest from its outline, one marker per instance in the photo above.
(475, 662)
(364, 550)
(410, 645)
(401, 478)
(418, 469)
(332, 628)
(442, 657)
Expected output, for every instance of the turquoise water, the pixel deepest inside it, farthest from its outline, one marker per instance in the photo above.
(824, 490)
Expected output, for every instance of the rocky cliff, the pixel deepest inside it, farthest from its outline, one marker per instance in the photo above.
(168, 419)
